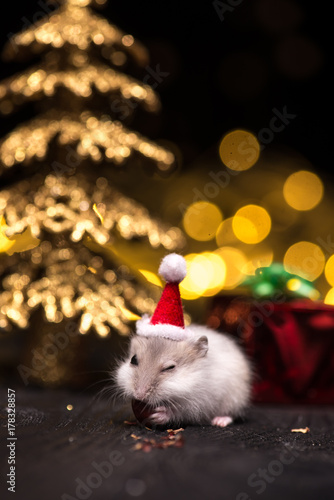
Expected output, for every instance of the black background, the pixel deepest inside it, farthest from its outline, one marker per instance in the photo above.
(190, 42)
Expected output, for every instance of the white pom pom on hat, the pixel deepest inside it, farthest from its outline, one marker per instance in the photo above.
(173, 268)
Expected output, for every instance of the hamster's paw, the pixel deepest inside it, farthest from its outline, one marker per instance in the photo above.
(161, 415)
(222, 421)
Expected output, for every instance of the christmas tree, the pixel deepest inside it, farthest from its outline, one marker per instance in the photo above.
(61, 221)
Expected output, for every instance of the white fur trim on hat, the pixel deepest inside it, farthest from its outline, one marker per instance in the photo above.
(173, 268)
(145, 329)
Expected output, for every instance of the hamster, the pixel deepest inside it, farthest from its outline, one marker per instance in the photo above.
(202, 380)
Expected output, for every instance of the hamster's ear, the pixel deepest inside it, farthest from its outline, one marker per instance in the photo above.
(201, 346)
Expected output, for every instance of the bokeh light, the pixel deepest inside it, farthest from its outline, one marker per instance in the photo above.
(329, 299)
(293, 284)
(251, 224)
(329, 270)
(225, 235)
(305, 259)
(216, 268)
(239, 150)
(201, 220)
(205, 275)
(235, 262)
(303, 190)
(302, 287)
(196, 279)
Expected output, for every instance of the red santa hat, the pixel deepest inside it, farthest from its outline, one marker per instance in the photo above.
(167, 320)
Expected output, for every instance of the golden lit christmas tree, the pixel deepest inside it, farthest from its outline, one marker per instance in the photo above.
(61, 222)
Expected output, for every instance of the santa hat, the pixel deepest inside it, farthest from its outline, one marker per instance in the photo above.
(167, 320)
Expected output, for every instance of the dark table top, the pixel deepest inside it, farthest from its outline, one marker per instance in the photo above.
(90, 451)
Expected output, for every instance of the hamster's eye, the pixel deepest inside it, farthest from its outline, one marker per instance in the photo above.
(134, 360)
(168, 368)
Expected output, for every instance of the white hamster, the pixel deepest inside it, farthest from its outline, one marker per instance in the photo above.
(202, 380)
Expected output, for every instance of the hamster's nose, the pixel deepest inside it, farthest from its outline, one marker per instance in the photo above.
(141, 393)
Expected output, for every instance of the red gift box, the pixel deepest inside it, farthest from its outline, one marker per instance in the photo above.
(291, 346)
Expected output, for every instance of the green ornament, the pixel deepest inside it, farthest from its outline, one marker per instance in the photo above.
(270, 280)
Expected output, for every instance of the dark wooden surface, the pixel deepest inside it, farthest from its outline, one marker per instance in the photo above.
(259, 458)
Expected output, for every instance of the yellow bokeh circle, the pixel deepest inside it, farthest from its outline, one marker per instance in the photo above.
(305, 259)
(329, 299)
(251, 224)
(239, 150)
(201, 220)
(235, 261)
(205, 275)
(225, 235)
(329, 270)
(303, 190)
(216, 269)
